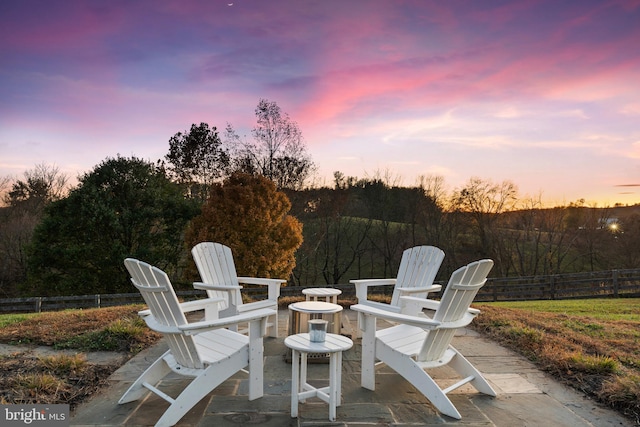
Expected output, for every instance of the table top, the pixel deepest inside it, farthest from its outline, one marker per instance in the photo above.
(315, 307)
(321, 292)
(332, 343)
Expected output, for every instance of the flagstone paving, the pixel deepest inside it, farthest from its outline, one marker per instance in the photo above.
(526, 396)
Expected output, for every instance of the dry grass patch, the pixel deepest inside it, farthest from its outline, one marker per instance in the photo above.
(25, 378)
(64, 363)
(60, 327)
(598, 355)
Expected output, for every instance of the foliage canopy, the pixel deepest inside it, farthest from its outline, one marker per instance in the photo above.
(125, 207)
(197, 158)
(248, 214)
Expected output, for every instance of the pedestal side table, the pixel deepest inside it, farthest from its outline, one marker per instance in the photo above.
(329, 294)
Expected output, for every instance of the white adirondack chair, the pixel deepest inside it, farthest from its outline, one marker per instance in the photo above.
(219, 278)
(418, 268)
(206, 351)
(418, 343)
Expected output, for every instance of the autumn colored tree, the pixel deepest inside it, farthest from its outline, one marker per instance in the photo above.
(248, 214)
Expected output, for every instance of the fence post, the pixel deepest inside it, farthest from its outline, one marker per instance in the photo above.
(495, 290)
(615, 283)
(98, 301)
(552, 283)
(38, 304)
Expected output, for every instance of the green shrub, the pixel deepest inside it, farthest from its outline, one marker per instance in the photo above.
(120, 335)
(601, 365)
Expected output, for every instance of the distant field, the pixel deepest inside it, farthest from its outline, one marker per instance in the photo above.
(608, 309)
(592, 345)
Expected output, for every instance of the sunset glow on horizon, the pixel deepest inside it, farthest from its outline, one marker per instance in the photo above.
(538, 92)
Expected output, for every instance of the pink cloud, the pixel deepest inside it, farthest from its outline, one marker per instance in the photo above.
(396, 75)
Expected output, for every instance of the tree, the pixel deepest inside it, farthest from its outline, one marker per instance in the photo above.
(197, 159)
(248, 214)
(590, 222)
(482, 202)
(335, 241)
(388, 204)
(125, 207)
(41, 185)
(430, 212)
(5, 182)
(535, 240)
(624, 248)
(25, 201)
(277, 151)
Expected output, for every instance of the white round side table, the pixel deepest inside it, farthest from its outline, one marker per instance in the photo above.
(301, 346)
(329, 294)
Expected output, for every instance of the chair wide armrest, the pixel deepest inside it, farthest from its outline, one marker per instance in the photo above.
(432, 288)
(156, 326)
(419, 321)
(200, 304)
(461, 323)
(362, 286)
(260, 281)
(273, 285)
(420, 303)
(210, 287)
(411, 304)
(373, 282)
(206, 325)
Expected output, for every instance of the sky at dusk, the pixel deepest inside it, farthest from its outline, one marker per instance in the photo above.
(543, 93)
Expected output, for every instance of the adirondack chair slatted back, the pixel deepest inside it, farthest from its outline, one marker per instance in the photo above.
(158, 293)
(456, 300)
(418, 268)
(216, 267)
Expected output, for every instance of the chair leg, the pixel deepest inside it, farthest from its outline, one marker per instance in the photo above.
(256, 359)
(152, 375)
(463, 367)
(407, 368)
(197, 389)
(273, 326)
(368, 369)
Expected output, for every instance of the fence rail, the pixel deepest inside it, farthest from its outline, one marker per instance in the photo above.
(39, 304)
(599, 284)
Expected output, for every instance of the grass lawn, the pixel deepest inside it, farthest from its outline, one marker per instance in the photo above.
(592, 345)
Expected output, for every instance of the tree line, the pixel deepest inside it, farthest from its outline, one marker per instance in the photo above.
(255, 196)
(360, 227)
